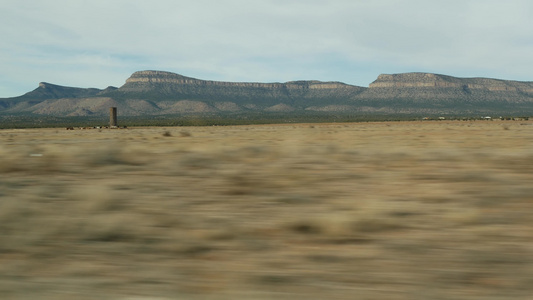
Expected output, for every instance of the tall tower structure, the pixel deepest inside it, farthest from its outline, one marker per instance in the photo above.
(113, 117)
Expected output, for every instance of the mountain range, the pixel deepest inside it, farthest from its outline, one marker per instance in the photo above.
(148, 93)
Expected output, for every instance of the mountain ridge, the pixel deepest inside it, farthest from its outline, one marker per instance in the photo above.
(438, 80)
(152, 92)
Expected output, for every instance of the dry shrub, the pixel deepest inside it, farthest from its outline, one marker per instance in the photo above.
(198, 160)
(306, 227)
(276, 279)
(376, 225)
(15, 217)
(296, 200)
(98, 198)
(26, 159)
(185, 134)
(375, 215)
(24, 223)
(323, 226)
(107, 154)
(109, 227)
(11, 161)
(102, 156)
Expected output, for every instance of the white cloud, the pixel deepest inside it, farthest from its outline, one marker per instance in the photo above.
(99, 43)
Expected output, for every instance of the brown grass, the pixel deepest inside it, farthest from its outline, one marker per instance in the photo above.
(410, 210)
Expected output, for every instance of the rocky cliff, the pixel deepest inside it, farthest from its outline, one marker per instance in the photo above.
(158, 92)
(451, 94)
(148, 79)
(160, 85)
(428, 80)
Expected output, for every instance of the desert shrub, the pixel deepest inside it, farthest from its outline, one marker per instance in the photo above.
(97, 198)
(276, 279)
(24, 224)
(197, 249)
(105, 155)
(185, 134)
(198, 161)
(10, 163)
(306, 228)
(376, 225)
(109, 227)
(108, 155)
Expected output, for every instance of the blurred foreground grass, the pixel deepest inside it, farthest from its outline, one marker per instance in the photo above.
(410, 210)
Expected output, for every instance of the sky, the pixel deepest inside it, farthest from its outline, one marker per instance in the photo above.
(100, 43)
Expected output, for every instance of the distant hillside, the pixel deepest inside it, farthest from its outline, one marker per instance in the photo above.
(164, 93)
(423, 86)
(447, 94)
(163, 86)
(52, 91)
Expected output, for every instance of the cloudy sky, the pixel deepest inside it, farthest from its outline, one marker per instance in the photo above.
(97, 43)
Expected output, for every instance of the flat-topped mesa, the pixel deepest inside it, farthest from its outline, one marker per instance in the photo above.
(316, 85)
(413, 80)
(161, 77)
(158, 77)
(428, 80)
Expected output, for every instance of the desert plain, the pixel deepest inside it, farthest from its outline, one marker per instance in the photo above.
(392, 210)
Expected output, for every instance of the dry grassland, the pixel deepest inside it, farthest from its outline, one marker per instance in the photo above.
(409, 210)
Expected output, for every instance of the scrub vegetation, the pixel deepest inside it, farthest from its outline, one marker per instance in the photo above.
(390, 210)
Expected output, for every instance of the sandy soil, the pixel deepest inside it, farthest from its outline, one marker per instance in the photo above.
(409, 210)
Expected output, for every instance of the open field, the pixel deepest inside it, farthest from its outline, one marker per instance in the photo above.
(407, 210)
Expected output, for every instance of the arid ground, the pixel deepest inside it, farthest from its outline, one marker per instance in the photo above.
(407, 210)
